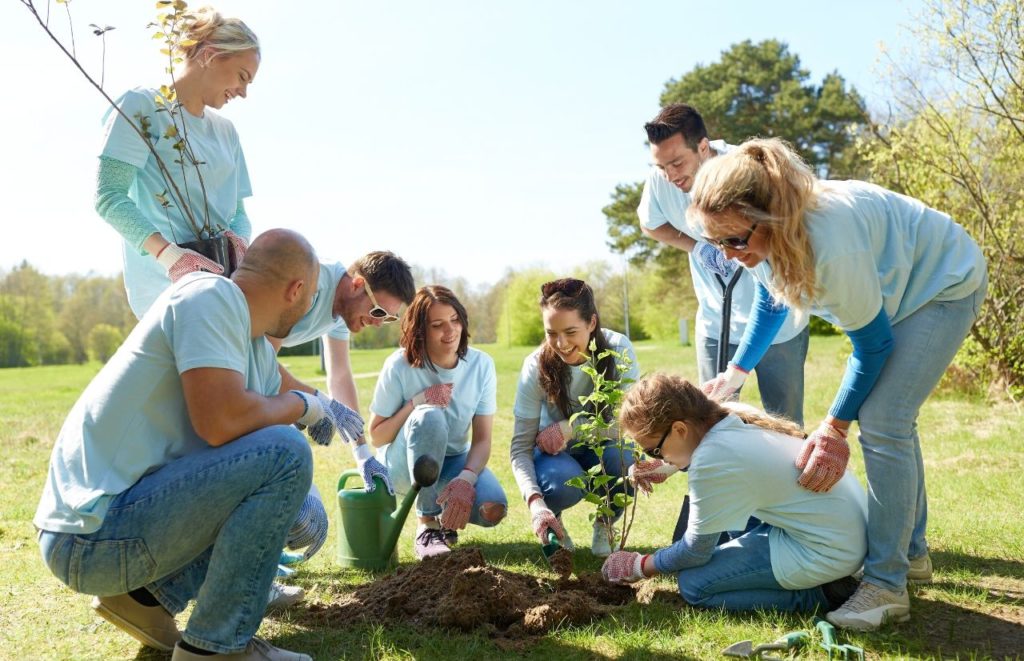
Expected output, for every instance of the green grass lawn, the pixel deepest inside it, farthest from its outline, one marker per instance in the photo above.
(974, 609)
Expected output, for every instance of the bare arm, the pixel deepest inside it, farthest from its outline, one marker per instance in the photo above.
(669, 235)
(383, 430)
(221, 409)
(341, 382)
(480, 447)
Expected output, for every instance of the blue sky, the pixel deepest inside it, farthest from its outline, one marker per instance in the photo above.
(464, 135)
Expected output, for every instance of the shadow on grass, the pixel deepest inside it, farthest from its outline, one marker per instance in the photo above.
(953, 561)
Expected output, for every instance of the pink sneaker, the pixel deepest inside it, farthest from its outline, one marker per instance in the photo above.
(430, 542)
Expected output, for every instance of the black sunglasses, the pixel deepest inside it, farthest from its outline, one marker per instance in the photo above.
(734, 242)
(655, 452)
(567, 286)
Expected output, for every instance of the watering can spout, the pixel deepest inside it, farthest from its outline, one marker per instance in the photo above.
(424, 473)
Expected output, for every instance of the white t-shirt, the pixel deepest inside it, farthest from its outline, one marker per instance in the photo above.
(740, 470)
(320, 319)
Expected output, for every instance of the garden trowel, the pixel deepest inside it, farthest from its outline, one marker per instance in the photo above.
(745, 648)
(559, 557)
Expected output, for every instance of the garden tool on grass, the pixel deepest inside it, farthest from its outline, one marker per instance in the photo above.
(833, 649)
(745, 649)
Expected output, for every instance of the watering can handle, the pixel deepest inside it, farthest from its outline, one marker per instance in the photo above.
(347, 474)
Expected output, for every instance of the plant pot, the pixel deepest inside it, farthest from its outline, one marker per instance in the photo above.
(216, 249)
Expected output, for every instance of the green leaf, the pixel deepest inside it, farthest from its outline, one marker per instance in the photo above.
(594, 470)
(577, 482)
(592, 498)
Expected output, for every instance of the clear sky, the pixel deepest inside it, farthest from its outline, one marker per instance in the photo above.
(464, 135)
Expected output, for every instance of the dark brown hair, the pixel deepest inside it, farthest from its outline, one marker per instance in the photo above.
(385, 271)
(554, 373)
(415, 321)
(677, 118)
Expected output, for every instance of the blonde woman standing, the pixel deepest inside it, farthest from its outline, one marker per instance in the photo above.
(902, 280)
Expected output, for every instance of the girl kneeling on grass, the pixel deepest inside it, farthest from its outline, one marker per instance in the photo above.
(430, 393)
(741, 464)
(550, 386)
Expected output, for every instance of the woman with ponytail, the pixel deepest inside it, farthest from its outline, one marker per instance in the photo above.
(902, 280)
(219, 64)
(741, 464)
(551, 383)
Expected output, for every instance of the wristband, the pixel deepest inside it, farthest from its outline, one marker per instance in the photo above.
(468, 476)
(362, 453)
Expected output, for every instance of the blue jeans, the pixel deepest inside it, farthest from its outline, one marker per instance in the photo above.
(739, 577)
(426, 433)
(554, 470)
(780, 373)
(925, 344)
(209, 526)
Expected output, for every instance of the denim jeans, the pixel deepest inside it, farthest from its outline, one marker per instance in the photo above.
(554, 470)
(739, 577)
(780, 373)
(208, 526)
(924, 345)
(426, 433)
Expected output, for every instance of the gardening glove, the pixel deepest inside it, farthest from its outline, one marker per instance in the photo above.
(553, 438)
(310, 528)
(180, 262)
(714, 260)
(823, 458)
(457, 500)
(336, 416)
(238, 246)
(314, 408)
(648, 472)
(369, 467)
(623, 567)
(542, 519)
(437, 395)
(726, 384)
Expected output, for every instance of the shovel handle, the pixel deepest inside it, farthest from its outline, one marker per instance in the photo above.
(552, 537)
(828, 632)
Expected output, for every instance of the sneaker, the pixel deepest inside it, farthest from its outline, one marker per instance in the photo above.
(257, 650)
(599, 544)
(451, 537)
(920, 572)
(430, 542)
(152, 626)
(870, 607)
(283, 596)
(839, 590)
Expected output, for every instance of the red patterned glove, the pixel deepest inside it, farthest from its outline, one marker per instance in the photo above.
(457, 500)
(439, 395)
(648, 472)
(623, 567)
(542, 518)
(180, 262)
(823, 458)
(238, 246)
(725, 385)
(552, 439)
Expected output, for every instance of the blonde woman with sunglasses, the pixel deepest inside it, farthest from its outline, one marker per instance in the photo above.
(902, 280)
(740, 460)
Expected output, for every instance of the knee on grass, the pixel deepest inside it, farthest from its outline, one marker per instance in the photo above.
(492, 513)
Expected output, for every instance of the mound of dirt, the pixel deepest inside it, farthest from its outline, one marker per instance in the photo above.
(460, 590)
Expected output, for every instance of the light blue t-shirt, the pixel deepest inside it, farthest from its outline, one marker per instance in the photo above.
(320, 319)
(474, 392)
(214, 141)
(662, 202)
(532, 402)
(132, 417)
(876, 249)
(740, 470)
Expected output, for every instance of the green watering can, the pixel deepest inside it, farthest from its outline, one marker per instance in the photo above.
(369, 523)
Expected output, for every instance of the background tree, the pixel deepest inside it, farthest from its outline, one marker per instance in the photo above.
(104, 340)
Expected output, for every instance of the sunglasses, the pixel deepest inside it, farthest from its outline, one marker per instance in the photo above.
(733, 242)
(377, 312)
(655, 452)
(567, 286)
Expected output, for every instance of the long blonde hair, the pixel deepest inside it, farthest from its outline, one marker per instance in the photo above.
(659, 399)
(767, 183)
(218, 35)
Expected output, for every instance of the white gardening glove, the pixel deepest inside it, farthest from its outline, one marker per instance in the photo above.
(726, 384)
(553, 438)
(623, 567)
(542, 518)
(714, 260)
(314, 411)
(180, 262)
(310, 528)
(369, 467)
(336, 416)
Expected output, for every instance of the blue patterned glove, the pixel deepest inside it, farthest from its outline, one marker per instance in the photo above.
(310, 528)
(713, 259)
(336, 416)
(370, 467)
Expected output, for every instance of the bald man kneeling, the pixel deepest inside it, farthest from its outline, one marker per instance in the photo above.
(178, 472)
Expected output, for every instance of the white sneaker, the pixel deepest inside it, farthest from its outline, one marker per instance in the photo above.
(920, 570)
(870, 607)
(599, 544)
(283, 596)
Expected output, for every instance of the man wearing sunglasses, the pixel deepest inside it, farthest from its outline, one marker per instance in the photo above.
(679, 145)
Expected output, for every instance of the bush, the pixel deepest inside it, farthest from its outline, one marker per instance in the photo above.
(104, 340)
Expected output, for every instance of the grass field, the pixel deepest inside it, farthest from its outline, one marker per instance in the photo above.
(973, 610)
